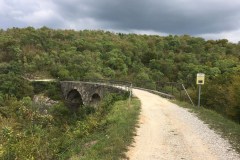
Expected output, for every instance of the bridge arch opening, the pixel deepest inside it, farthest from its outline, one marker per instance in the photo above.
(74, 99)
(95, 98)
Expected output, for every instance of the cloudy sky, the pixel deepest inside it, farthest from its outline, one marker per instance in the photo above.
(211, 19)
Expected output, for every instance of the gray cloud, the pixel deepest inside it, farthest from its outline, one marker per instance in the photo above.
(175, 16)
(194, 17)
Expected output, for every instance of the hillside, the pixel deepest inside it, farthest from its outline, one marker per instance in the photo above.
(142, 59)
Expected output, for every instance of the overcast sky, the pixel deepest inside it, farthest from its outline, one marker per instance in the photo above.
(211, 19)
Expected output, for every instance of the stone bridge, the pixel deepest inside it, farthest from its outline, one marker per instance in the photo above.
(88, 93)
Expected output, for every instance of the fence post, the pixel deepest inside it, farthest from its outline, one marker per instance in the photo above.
(188, 95)
(130, 94)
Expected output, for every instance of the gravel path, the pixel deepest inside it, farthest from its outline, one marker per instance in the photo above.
(169, 132)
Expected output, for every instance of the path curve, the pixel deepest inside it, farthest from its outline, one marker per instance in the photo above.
(169, 132)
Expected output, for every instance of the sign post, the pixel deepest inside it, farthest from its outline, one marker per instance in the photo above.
(199, 95)
(200, 81)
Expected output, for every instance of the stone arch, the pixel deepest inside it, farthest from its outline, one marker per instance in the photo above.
(74, 99)
(95, 99)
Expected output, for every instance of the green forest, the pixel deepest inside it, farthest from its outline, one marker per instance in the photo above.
(144, 60)
(76, 55)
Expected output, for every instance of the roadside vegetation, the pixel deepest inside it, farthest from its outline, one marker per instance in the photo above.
(112, 142)
(227, 128)
(97, 133)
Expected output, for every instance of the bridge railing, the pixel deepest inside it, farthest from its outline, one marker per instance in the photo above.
(153, 87)
(108, 81)
(124, 85)
(165, 89)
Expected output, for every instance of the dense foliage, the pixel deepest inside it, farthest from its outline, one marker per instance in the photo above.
(74, 55)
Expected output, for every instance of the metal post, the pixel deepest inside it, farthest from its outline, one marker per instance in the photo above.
(199, 95)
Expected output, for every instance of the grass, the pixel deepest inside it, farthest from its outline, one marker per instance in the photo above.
(228, 129)
(111, 140)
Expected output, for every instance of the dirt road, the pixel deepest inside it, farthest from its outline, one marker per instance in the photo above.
(168, 132)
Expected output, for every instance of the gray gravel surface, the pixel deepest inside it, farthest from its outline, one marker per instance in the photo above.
(169, 132)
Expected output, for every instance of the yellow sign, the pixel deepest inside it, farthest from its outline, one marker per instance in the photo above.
(200, 78)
